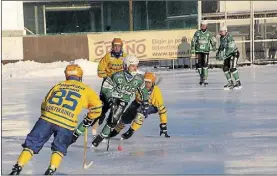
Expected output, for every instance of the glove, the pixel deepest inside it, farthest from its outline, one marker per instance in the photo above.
(163, 130)
(145, 106)
(111, 101)
(87, 122)
(75, 136)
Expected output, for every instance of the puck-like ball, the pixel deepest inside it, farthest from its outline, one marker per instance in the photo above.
(119, 148)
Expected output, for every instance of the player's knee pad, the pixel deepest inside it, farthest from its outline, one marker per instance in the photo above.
(137, 122)
(119, 126)
(233, 69)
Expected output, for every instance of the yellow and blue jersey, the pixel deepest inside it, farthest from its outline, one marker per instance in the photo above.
(65, 101)
(155, 99)
(109, 65)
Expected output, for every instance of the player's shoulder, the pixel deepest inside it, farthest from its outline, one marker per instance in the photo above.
(107, 55)
(156, 89)
(229, 36)
(197, 32)
(117, 75)
(139, 76)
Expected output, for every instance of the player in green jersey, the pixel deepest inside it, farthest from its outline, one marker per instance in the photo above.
(201, 45)
(118, 90)
(228, 52)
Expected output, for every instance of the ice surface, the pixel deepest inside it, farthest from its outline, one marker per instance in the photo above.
(213, 131)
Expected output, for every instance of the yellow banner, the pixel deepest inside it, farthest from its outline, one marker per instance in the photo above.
(146, 45)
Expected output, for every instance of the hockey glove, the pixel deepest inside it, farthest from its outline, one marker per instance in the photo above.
(163, 130)
(87, 122)
(145, 106)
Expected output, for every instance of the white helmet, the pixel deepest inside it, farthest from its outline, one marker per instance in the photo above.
(204, 22)
(223, 28)
(130, 60)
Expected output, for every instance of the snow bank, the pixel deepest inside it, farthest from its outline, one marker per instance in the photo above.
(31, 69)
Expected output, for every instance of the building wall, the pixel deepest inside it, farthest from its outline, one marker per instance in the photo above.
(242, 6)
(12, 30)
(12, 12)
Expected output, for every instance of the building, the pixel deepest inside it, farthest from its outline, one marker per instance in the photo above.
(106, 16)
(253, 23)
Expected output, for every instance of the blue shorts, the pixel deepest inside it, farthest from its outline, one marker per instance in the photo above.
(41, 133)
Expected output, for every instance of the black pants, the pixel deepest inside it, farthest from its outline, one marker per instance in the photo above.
(130, 114)
(272, 53)
(105, 107)
(230, 64)
(202, 60)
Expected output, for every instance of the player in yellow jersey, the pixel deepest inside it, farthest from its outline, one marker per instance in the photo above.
(111, 63)
(59, 116)
(133, 114)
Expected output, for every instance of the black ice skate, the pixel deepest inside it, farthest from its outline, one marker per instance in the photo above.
(229, 86)
(97, 140)
(50, 171)
(201, 81)
(16, 170)
(237, 85)
(128, 134)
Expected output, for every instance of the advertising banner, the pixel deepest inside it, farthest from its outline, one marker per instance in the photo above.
(146, 45)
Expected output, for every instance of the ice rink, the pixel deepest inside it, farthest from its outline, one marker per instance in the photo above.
(213, 131)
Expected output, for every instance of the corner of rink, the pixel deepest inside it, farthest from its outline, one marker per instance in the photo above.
(32, 69)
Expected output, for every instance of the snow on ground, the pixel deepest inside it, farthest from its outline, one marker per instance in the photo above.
(213, 131)
(31, 69)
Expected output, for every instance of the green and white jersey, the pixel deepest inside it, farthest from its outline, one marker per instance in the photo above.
(203, 42)
(122, 85)
(227, 47)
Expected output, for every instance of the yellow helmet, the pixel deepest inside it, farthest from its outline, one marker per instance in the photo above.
(150, 77)
(117, 41)
(73, 70)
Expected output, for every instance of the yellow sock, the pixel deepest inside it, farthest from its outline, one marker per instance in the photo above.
(137, 122)
(25, 156)
(56, 159)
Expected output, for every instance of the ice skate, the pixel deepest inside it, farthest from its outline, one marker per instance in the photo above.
(237, 85)
(49, 171)
(16, 170)
(205, 83)
(201, 81)
(229, 86)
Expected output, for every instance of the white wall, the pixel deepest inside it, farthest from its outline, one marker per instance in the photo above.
(240, 6)
(12, 15)
(12, 20)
